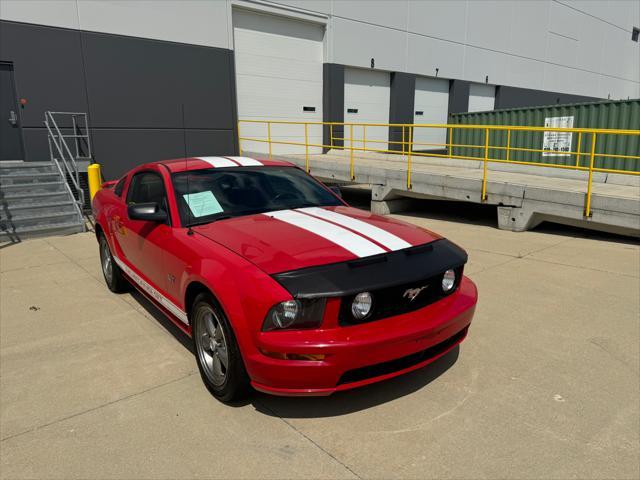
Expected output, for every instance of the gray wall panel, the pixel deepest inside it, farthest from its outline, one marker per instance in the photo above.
(139, 83)
(401, 102)
(120, 150)
(512, 97)
(202, 143)
(458, 96)
(48, 69)
(135, 89)
(132, 83)
(332, 101)
(36, 146)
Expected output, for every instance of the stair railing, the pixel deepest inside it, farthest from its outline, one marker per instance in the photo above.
(61, 155)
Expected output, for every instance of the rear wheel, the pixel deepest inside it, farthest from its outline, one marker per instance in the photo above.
(217, 353)
(112, 273)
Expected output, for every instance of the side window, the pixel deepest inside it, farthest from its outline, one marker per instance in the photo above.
(147, 187)
(119, 186)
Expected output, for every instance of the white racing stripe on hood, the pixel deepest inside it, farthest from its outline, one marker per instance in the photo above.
(389, 240)
(247, 162)
(346, 239)
(218, 162)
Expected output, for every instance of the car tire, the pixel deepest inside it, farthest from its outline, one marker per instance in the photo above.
(215, 343)
(113, 276)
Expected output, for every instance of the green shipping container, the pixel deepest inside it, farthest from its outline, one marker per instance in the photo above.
(620, 115)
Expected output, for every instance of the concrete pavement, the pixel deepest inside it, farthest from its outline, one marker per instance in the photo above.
(97, 385)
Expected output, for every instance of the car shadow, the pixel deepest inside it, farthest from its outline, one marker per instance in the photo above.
(161, 318)
(350, 401)
(340, 403)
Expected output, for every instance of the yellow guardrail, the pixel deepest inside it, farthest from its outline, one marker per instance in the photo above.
(407, 146)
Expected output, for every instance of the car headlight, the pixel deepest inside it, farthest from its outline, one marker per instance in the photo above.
(448, 280)
(294, 314)
(361, 305)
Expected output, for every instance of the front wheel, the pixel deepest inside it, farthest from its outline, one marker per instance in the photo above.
(112, 273)
(217, 353)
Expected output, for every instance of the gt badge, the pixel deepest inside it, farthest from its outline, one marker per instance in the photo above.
(412, 293)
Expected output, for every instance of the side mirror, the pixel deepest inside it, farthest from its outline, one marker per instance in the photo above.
(336, 189)
(148, 212)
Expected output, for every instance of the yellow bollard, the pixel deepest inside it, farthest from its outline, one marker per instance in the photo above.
(95, 179)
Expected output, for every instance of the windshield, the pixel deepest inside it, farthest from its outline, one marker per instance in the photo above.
(207, 195)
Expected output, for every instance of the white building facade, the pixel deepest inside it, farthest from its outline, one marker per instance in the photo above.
(135, 65)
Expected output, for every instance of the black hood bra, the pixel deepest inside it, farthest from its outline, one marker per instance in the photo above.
(372, 273)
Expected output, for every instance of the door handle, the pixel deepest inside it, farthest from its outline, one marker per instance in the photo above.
(13, 118)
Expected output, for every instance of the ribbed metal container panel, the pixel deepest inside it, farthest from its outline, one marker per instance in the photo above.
(622, 115)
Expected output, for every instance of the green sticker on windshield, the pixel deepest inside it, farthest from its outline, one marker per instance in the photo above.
(202, 203)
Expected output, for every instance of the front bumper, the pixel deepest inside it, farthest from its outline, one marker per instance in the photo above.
(362, 354)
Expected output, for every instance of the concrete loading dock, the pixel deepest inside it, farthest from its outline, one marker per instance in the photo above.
(524, 200)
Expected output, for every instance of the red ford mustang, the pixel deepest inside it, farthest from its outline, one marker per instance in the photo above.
(281, 285)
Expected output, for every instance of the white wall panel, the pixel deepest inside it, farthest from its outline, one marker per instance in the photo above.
(558, 78)
(388, 13)
(426, 54)
(278, 72)
(524, 73)
(528, 29)
(56, 13)
(590, 44)
(480, 63)
(488, 24)
(481, 97)
(355, 43)
(369, 92)
(184, 21)
(432, 99)
(618, 12)
(444, 19)
(618, 46)
(562, 50)
(318, 6)
(586, 83)
(564, 20)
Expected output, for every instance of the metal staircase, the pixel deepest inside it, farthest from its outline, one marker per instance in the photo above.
(46, 198)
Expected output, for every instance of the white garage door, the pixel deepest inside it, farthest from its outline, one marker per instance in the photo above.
(481, 97)
(431, 105)
(278, 77)
(366, 100)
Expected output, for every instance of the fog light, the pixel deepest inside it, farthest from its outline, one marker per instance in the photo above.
(448, 280)
(361, 306)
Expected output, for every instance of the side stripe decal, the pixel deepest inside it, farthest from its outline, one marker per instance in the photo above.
(356, 244)
(384, 238)
(246, 161)
(157, 296)
(218, 162)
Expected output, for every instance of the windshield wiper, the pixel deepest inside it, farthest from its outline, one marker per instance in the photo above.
(205, 222)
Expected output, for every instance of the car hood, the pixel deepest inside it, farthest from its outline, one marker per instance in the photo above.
(288, 240)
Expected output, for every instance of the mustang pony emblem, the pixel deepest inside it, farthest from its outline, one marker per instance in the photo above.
(412, 293)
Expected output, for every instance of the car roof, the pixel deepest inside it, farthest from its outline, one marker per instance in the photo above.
(199, 163)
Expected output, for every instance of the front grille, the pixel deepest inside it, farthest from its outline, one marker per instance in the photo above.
(379, 369)
(388, 302)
